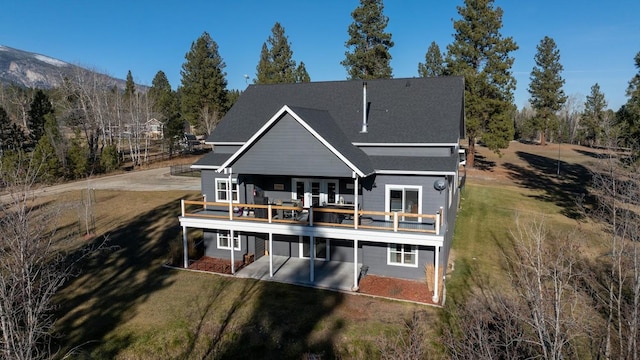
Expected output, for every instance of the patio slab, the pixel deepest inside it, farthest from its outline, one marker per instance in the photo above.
(333, 275)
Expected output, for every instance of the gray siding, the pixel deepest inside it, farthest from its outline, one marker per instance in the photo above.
(432, 200)
(286, 245)
(374, 256)
(406, 151)
(210, 241)
(289, 149)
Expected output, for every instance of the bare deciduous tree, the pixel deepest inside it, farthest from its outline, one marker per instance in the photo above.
(32, 269)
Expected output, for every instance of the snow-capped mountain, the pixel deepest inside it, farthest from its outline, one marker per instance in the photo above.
(36, 70)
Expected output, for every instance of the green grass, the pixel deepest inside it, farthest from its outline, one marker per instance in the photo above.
(126, 305)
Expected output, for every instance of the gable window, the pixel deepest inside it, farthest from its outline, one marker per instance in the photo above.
(224, 241)
(402, 255)
(404, 199)
(222, 187)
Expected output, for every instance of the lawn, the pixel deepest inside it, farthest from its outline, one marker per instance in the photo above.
(125, 305)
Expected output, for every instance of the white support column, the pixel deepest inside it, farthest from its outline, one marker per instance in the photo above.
(355, 265)
(185, 247)
(231, 242)
(436, 275)
(270, 254)
(312, 253)
(356, 207)
(230, 197)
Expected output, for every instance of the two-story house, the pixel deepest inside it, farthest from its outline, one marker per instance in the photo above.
(363, 175)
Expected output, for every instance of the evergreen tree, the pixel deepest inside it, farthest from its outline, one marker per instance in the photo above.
(165, 103)
(628, 117)
(301, 73)
(276, 63)
(368, 56)
(40, 107)
(481, 55)
(433, 62)
(594, 116)
(203, 94)
(11, 136)
(129, 87)
(547, 96)
(162, 97)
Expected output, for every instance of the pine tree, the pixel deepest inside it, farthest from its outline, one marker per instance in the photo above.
(129, 87)
(301, 73)
(368, 56)
(547, 96)
(203, 94)
(481, 55)
(40, 107)
(162, 97)
(433, 62)
(11, 136)
(628, 117)
(276, 63)
(594, 116)
(165, 105)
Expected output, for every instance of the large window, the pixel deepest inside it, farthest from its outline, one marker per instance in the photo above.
(222, 187)
(225, 243)
(404, 199)
(402, 255)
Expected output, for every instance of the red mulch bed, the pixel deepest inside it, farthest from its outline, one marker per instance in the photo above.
(394, 288)
(210, 264)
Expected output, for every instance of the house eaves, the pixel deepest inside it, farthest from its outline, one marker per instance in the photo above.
(320, 125)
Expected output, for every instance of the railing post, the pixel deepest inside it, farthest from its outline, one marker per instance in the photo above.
(269, 214)
(311, 216)
(182, 206)
(437, 223)
(204, 199)
(395, 221)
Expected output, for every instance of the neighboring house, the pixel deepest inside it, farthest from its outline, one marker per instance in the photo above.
(365, 175)
(154, 129)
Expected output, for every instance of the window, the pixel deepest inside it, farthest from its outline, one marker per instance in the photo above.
(404, 199)
(223, 241)
(402, 255)
(222, 187)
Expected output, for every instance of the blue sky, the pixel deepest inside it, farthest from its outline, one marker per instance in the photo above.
(597, 40)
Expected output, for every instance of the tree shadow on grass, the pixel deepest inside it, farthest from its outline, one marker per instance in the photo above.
(288, 322)
(115, 279)
(482, 163)
(568, 189)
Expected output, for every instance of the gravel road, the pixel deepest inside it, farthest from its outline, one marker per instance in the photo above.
(159, 179)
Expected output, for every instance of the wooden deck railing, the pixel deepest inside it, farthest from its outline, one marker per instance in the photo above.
(355, 219)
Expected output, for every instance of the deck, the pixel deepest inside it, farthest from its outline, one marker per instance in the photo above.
(330, 216)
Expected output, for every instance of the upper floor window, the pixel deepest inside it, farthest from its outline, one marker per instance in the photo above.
(404, 199)
(222, 190)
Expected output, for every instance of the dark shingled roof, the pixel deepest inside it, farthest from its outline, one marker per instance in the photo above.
(408, 110)
(212, 159)
(414, 163)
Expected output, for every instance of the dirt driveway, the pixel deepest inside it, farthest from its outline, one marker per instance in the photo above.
(159, 179)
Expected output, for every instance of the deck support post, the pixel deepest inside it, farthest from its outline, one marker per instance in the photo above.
(355, 266)
(185, 247)
(356, 207)
(312, 253)
(232, 243)
(270, 254)
(436, 275)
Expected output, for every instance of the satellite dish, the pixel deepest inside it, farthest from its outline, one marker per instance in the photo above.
(440, 184)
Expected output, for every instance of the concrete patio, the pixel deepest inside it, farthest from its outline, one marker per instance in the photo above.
(327, 274)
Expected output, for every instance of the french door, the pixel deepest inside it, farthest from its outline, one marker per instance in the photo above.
(316, 192)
